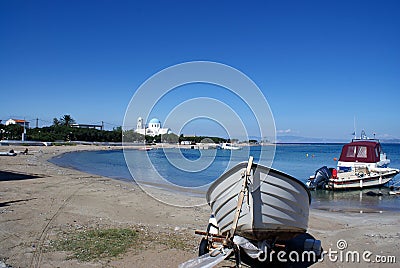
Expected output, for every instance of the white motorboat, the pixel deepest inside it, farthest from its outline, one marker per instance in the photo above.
(228, 146)
(362, 164)
(275, 203)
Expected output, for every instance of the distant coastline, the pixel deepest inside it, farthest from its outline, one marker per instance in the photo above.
(169, 145)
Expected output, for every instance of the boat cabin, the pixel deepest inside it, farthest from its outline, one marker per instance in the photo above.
(365, 151)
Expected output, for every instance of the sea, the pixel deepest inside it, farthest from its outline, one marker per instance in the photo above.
(197, 169)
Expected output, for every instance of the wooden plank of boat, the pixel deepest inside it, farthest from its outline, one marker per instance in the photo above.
(241, 197)
(276, 204)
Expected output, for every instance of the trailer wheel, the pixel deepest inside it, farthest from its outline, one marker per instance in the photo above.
(203, 247)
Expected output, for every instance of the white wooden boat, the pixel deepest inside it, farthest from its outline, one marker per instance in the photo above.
(275, 205)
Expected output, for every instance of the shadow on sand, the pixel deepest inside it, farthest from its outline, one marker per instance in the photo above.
(13, 176)
(8, 203)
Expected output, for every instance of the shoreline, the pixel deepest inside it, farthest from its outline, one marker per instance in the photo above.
(51, 199)
(320, 200)
(185, 191)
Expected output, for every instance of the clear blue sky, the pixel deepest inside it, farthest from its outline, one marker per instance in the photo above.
(319, 63)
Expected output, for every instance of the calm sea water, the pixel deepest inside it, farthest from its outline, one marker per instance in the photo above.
(198, 168)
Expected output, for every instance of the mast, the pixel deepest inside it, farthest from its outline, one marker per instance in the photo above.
(355, 130)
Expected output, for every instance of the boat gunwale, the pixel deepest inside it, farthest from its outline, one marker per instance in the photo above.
(235, 168)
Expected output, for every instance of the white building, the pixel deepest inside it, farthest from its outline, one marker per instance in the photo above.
(153, 128)
(20, 122)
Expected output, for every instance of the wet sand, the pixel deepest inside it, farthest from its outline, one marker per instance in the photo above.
(39, 200)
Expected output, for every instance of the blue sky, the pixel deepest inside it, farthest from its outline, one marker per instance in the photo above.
(318, 63)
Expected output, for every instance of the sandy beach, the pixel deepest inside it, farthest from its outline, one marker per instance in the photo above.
(39, 201)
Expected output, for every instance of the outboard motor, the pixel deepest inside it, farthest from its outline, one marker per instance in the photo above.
(321, 177)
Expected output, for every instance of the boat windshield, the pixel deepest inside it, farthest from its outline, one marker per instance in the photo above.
(362, 152)
(351, 151)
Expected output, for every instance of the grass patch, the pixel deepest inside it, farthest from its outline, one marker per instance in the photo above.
(175, 241)
(96, 244)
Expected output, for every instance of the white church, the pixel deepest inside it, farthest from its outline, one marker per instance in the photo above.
(153, 128)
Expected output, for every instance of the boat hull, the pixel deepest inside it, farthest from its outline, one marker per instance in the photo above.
(277, 205)
(366, 181)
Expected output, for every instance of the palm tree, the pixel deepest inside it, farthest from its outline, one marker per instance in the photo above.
(67, 120)
(56, 122)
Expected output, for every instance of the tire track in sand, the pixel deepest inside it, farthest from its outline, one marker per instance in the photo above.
(37, 254)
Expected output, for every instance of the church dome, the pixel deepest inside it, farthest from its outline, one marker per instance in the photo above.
(154, 121)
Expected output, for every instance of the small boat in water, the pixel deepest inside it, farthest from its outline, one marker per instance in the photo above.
(146, 149)
(228, 146)
(276, 204)
(362, 164)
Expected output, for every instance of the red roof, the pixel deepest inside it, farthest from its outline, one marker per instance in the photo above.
(367, 151)
(19, 121)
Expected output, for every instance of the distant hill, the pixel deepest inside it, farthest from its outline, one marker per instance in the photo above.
(390, 140)
(299, 139)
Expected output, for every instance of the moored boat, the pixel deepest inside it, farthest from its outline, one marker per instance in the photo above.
(228, 146)
(145, 149)
(362, 164)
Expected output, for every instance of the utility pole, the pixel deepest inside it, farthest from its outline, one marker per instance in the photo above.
(102, 125)
(37, 122)
(23, 134)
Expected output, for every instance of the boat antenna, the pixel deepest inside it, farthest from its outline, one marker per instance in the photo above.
(355, 130)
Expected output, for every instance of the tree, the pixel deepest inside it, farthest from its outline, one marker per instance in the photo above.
(132, 136)
(170, 138)
(67, 120)
(2, 131)
(13, 132)
(56, 122)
